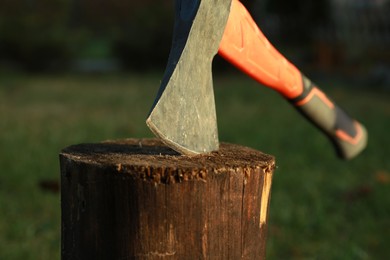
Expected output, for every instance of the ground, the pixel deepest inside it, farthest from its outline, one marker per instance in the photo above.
(321, 207)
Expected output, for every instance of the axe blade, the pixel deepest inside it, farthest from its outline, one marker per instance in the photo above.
(183, 114)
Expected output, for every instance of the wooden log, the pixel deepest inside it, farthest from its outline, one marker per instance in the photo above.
(138, 199)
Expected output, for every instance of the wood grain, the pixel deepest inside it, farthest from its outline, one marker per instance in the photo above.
(137, 199)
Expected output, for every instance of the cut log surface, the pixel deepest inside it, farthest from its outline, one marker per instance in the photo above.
(138, 199)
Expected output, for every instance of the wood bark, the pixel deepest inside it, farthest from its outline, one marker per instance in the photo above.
(137, 199)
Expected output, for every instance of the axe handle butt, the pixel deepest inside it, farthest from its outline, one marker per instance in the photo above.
(348, 136)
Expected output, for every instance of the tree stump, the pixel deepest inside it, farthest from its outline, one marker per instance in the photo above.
(138, 199)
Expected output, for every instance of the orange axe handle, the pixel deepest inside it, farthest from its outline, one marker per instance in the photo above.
(246, 47)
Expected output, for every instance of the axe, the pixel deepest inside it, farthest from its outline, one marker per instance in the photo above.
(183, 114)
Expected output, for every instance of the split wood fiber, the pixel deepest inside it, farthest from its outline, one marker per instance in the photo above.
(138, 199)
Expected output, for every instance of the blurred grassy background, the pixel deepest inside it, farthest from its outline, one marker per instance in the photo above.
(321, 207)
(74, 71)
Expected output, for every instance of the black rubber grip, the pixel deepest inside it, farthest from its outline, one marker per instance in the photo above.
(348, 135)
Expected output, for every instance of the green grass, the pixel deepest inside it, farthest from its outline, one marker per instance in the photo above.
(321, 207)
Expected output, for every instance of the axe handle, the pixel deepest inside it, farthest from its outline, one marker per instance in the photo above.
(246, 47)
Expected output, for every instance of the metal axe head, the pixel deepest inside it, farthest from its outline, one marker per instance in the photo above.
(183, 114)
